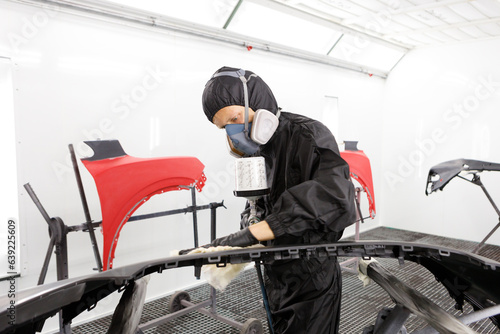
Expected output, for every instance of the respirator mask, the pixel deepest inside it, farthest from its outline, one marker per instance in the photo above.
(245, 139)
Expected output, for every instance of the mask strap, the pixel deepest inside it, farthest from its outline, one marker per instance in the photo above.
(240, 74)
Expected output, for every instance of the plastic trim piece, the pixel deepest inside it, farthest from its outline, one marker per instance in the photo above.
(467, 276)
(441, 174)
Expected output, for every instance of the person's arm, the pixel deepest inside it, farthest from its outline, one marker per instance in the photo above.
(324, 201)
(261, 231)
(247, 236)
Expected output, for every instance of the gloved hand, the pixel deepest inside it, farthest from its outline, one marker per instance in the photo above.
(242, 238)
(186, 251)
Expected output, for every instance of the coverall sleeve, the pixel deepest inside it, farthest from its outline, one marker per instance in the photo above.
(322, 199)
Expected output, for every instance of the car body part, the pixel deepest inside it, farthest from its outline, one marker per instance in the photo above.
(467, 277)
(124, 183)
(409, 300)
(111, 150)
(389, 321)
(361, 171)
(127, 314)
(441, 174)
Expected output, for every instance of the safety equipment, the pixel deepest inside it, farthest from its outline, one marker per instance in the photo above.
(263, 126)
(242, 238)
(250, 178)
(242, 139)
(223, 91)
(311, 201)
(238, 141)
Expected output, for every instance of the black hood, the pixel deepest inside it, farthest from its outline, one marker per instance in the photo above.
(223, 91)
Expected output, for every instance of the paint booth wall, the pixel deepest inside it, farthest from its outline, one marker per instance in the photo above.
(80, 78)
(442, 104)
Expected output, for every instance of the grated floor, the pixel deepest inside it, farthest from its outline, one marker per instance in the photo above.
(242, 300)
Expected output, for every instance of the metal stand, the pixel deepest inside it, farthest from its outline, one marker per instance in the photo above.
(90, 227)
(477, 181)
(180, 302)
(58, 231)
(408, 300)
(351, 265)
(441, 174)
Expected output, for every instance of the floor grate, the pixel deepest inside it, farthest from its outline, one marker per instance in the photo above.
(242, 300)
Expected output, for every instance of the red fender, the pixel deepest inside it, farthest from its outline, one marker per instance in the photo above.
(124, 183)
(361, 171)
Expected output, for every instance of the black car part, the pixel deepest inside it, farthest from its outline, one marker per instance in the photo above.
(441, 174)
(466, 276)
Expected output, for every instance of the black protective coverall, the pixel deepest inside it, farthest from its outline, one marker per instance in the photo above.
(311, 201)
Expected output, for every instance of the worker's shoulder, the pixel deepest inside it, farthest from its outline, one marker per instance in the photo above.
(306, 125)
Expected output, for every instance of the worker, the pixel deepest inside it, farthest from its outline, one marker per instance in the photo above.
(311, 198)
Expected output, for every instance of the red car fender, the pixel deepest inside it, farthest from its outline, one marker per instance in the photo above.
(124, 183)
(360, 169)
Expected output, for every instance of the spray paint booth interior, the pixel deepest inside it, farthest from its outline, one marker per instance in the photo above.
(415, 83)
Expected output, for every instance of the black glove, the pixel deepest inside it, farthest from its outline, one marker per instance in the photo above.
(185, 251)
(242, 238)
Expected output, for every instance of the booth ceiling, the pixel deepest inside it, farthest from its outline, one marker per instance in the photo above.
(367, 36)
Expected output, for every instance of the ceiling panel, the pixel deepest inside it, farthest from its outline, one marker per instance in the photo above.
(490, 28)
(427, 18)
(338, 8)
(440, 36)
(410, 21)
(421, 38)
(474, 32)
(415, 22)
(370, 6)
(446, 15)
(457, 34)
(468, 11)
(488, 8)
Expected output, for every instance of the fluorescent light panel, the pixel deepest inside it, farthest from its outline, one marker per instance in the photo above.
(268, 24)
(353, 49)
(212, 13)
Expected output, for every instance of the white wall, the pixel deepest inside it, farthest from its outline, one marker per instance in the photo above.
(72, 79)
(442, 104)
(10, 210)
